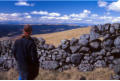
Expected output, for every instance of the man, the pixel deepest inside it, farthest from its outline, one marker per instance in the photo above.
(25, 53)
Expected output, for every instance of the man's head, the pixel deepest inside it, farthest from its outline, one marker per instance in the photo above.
(27, 30)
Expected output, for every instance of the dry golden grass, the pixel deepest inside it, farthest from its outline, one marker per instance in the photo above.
(71, 74)
(55, 38)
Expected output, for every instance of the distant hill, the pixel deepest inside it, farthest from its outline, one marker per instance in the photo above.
(8, 30)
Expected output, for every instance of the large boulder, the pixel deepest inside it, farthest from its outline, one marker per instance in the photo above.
(112, 30)
(83, 42)
(84, 49)
(94, 29)
(48, 47)
(117, 69)
(106, 36)
(65, 44)
(41, 41)
(1, 61)
(116, 61)
(76, 58)
(94, 35)
(117, 42)
(85, 36)
(101, 28)
(108, 43)
(59, 57)
(115, 50)
(95, 45)
(115, 77)
(107, 26)
(8, 64)
(73, 41)
(110, 58)
(116, 26)
(75, 49)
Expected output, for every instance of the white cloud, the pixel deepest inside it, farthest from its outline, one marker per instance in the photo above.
(26, 13)
(102, 3)
(47, 17)
(115, 20)
(23, 3)
(54, 14)
(39, 12)
(87, 11)
(15, 14)
(65, 17)
(84, 14)
(28, 17)
(94, 15)
(3, 19)
(106, 17)
(74, 15)
(76, 19)
(114, 6)
(45, 13)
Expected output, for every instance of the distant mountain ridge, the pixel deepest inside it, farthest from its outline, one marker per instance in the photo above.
(10, 30)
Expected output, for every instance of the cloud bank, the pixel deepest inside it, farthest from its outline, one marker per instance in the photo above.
(86, 16)
(114, 6)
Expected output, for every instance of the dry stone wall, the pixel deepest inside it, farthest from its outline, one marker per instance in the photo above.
(100, 48)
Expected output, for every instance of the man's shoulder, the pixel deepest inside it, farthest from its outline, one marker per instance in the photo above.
(18, 39)
(28, 40)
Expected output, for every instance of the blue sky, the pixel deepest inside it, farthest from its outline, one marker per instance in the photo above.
(60, 12)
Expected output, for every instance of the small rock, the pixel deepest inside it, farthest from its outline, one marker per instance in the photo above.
(85, 67)
(50, 65)
(100, 63)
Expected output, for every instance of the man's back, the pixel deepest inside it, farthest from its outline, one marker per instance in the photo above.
(25, 53)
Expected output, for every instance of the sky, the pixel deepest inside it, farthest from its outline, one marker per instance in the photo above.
(59, 11)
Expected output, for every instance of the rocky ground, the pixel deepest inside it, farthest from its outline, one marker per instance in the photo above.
(93, 55)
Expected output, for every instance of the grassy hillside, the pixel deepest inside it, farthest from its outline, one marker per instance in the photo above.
(55, 38)
(73, 73)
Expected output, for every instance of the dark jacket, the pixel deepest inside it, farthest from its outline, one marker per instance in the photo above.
(25, 53)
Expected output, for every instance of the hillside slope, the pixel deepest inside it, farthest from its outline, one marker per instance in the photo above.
(55, 38)
(73, 73)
